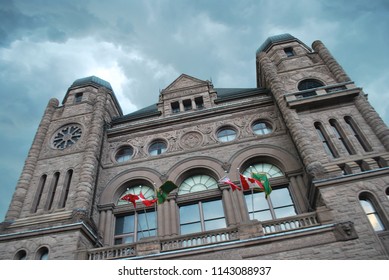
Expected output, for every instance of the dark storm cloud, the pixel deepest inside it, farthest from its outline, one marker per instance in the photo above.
(141, 47)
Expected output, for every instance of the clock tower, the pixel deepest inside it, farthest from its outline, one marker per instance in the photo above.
(57, 184)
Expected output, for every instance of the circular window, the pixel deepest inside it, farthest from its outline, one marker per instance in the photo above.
(157, 148)
(197, 183)
(226, 134)
(270, 170)
(124, 154)
(261, 128)
(66, 136)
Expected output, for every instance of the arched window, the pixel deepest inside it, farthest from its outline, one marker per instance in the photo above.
(42, 254)
(53, 189)
(371, 212)
(358, 134)
(38, 194)
(309, 84)
(278, 204)
(327, 144)
(196, 183)
(66, 188)
(339, 133)
(201, 215)
(20, 255)
(140, 222)
(387, 193)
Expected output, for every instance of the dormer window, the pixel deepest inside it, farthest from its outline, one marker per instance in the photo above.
(289, 52)
(199, 102)
(175, 107)
(78, 97)
(187, 104)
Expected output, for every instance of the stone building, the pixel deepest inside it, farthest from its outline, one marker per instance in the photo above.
(306, 125)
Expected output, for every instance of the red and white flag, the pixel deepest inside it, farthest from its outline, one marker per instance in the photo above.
(226, 180)
(147, 202)
(249, 183)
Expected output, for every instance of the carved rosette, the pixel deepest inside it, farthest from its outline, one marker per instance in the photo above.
(191, 140)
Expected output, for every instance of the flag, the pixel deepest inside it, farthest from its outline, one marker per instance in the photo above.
(130, 198)
(164, 191)
(226, 180)
(249, 183)
(265, 182)
(146, 202)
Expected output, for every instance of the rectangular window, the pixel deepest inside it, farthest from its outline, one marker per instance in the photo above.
(328, 147)
(175, 107)
(199, 102)
(358, 134)
(278, 205)
(289, 52)
(78, 97)
(133, 227)
(202, 216)
(187, 104)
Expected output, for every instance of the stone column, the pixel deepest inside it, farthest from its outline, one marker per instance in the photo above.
(173, 215)
(373, 119)
(30, 163)
(90, 163)
(330, 61)
(228, 206)
(107, 239)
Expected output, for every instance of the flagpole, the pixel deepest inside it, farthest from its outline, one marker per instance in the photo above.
(147, 221)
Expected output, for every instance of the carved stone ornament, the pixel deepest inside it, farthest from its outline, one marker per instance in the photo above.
(191, 140)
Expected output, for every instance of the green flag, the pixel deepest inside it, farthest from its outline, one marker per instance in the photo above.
(265, 182)
(164, 191)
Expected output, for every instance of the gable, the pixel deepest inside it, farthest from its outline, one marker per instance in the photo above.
(184, 81)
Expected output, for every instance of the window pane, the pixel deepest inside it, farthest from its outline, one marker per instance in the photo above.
(375, 222)
(262, 215)
(124, 224)
(284, 212)
(261, 128)
(197, 183)
(281, 197)
(157, 148)
(213, 209)
(191, 228)
(215, 224)
(257, 200)
(143, 233)
(367, 206)
(226, 135)
(189, 213)
(146, 221)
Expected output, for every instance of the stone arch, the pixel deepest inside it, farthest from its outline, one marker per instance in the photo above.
(213, 166)
(270, 154)
(117, 184)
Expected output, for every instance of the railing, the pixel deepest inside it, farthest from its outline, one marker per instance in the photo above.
(290, 223)
(117, 251)
(192, 240)
(199, 239)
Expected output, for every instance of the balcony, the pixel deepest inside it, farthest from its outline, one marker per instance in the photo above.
(253, 229)
(322, 96)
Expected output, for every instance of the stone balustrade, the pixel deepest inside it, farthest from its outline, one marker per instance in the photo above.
(155, 245)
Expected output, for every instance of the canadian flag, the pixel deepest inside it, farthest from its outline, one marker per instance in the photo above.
(249, 183)
(147, 202)
(131, 198)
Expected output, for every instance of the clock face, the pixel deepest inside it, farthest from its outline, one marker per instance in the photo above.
(66, 136)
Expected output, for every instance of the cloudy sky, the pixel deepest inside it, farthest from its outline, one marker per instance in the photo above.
(140, 47)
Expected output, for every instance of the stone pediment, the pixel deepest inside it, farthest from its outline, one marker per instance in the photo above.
(184, 82)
